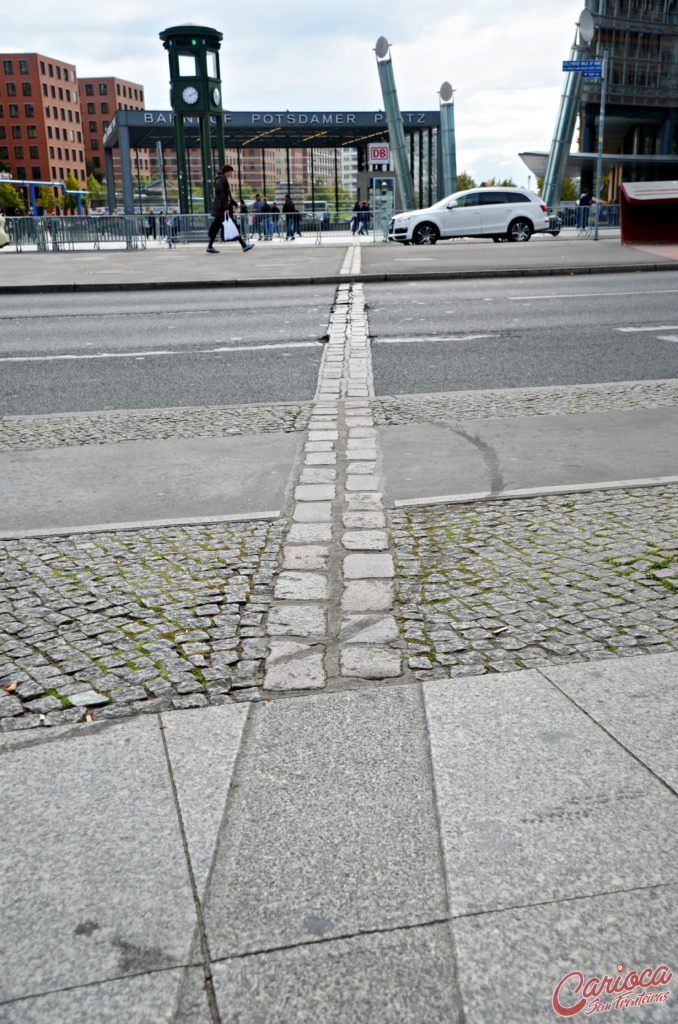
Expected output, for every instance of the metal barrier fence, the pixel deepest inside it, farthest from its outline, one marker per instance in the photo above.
(135, 231)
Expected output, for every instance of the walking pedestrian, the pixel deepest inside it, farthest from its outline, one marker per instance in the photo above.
(355, 219)
(583, 210)
(224, 204)
(290, 211)
(274, 218)
(4, 237)
(363, 218)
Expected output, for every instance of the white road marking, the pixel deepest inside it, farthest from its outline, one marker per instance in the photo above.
(433, 337)
(667, 337)
(591, 295)
(659, 327)
(158, 352)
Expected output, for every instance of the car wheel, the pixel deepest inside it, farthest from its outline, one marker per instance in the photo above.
(519, 230)
(425, 234)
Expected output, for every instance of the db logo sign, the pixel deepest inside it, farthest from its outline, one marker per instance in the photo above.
(378, 153)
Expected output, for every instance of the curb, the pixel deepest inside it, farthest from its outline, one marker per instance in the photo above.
(290, 282)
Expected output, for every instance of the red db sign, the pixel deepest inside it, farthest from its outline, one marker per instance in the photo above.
(378, 153)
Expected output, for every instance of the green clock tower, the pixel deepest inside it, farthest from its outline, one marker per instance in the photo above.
(195, 92)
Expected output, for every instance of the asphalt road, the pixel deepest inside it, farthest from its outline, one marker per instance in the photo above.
(66, 353)
(455, 336)
(61, 353)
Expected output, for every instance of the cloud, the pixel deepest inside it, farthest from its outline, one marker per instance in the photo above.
(502, 59)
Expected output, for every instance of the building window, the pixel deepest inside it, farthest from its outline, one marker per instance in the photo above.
(16, 131)
(21, 173)
(44, 89)
(53, 171)
(23, 67)
(61, 173)
(59, 154)
(77, 117)
(61, 94)
(79, 137)
(89, 89)
(34, 152)
(94, 145)
(96, 161)
(68, 95)
(49, 131)
(71, 134)
(7, 65)
(70, 115)
(3, 132)
(57, 132)
(42, 67)
(13, 110)
(4, 153)
(104, 125)
(65, 74)
(104, 108)
(11, 89)
(63, 114)
(26, 89)
(18, 152)
(36, 173)
(58, 71)
(91, 108)
(117, 88)
(32, 131)
(92, 126)
(103, 89)
(51, 152)
(29, 110)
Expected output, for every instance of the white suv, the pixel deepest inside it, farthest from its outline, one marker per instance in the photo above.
(499, 213)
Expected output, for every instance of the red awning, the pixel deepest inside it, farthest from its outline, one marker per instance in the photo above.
(650, 191)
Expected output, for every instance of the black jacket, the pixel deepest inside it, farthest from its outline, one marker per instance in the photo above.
(223, 197)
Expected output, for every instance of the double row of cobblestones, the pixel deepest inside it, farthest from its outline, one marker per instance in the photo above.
(332, 617)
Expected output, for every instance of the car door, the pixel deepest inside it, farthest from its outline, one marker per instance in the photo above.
(494, 207)
(464, 218)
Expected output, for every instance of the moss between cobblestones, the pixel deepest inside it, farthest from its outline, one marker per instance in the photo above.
(65, 702)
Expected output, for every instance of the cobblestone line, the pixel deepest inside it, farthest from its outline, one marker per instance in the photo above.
(352, 260)
(332, 616)
(545, 581)
(113, 624)
(448, 407)
(69, 429)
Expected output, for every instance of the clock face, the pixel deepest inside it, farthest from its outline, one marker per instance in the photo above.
(216, 97)
(190, 94)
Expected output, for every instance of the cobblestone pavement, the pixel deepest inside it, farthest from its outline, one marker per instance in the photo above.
(505, 586)
(108, 624)
(66, 430)
(445, 407)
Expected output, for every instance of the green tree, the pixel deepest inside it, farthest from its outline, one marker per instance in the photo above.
(569, 192)
(464, 181)
(494, 183)
(325, 192)
(11, 199)
(47, 200)
(69, 203)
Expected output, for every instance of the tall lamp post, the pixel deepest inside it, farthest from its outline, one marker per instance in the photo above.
(195, 91)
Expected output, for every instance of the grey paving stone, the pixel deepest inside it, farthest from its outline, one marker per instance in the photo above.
(511, 961)
(368, 629)
(536, 802)
(305, 556)
(114, 906)
(368, 567)
(301, 586)
(310, 533)
(364, 500)
(136, 1000)
(202, 746)
(635, 699)
(364, 540)
(322, 811)
(361, 482)
(312, 512)
(294, 666)
(364, 520)
(370, 662)
(367, 596)
(314, 492)
(297, 620)
(399, 977)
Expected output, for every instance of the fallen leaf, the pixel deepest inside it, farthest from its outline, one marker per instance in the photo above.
(11, 688)
(88, 717)
(495, 632)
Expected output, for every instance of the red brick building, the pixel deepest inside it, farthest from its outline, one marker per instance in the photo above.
(40, 122)
(99, 100)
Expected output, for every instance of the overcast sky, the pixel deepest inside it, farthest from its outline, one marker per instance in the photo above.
(503, 59)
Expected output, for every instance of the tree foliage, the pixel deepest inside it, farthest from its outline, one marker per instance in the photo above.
(11, 199)
(464, 181)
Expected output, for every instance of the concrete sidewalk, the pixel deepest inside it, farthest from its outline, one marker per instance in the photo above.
(438, 852)
(189, 266)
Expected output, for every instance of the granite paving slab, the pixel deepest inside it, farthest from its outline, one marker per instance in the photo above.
(636, 700)
(398, 977)
(94, 879)
(202, 746)
(331, 827)
(138, 1000)
(510, 962)
(142, 481)
(536, 801)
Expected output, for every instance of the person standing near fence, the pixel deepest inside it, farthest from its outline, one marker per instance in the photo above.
(224, 204)
(290, 211)
(4, 237)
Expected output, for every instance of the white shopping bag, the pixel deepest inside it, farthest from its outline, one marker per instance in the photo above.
(230, 230)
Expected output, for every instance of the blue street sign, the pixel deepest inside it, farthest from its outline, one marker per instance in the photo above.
(592, 74)
(584, 66)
